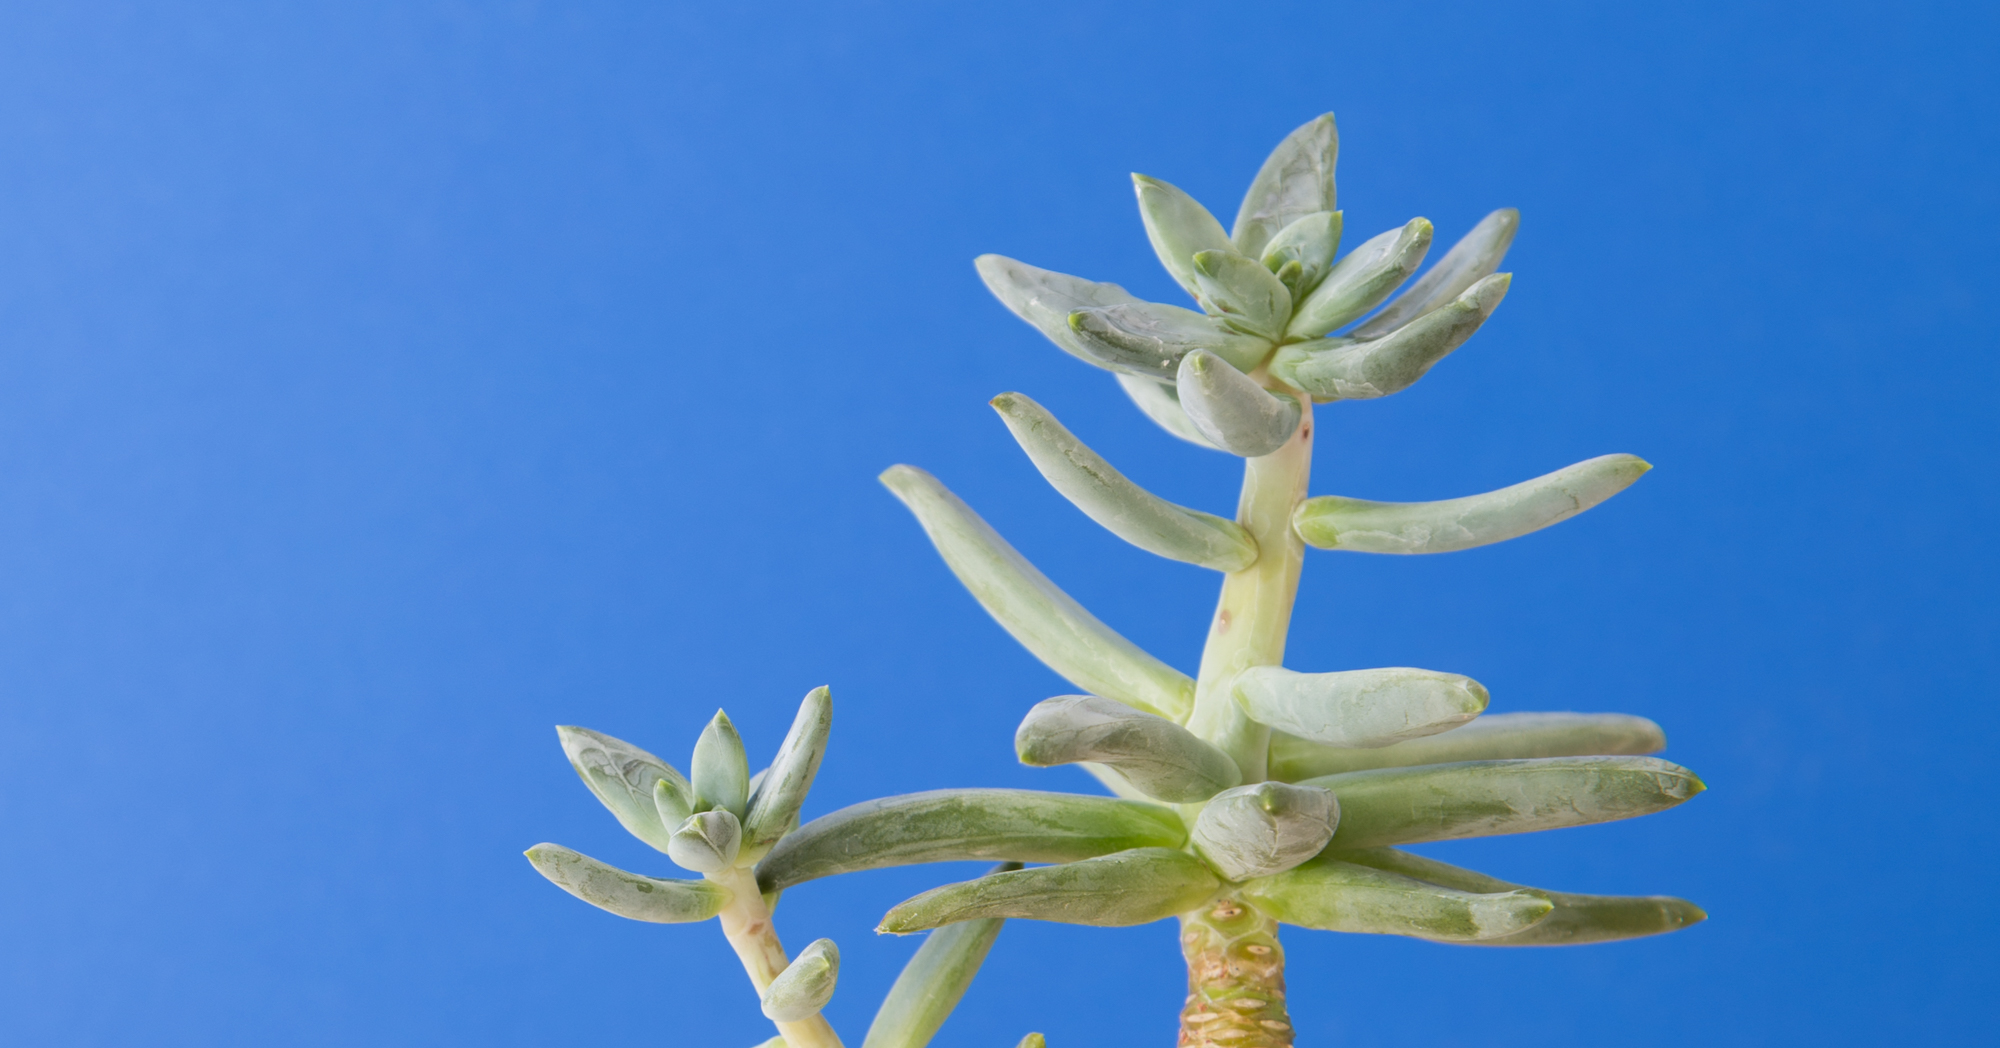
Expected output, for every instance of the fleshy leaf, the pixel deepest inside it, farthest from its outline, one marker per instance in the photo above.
(1033, 1040)
(623, 777)
(720, 770)
(1577, 920)
(1334, 522)
(632, 895)
(1441, 802)
(1263, 829)
(1045, 298)
(1232, 410)
(1243, 293)
(1043, 618)
(1361, 708)
(1179, 228)
(1125, 509)
(707, 842)
(774, 805)
(1159, 402)
(1149, 339)
(1296, 180)
(1310, 243)
(1477, 254)
(1160, 758)
(1114, 891)
(806, 984)
(932, 983)
(1496, 736)
(1364, 278)
(1346, 369)
(960, 825)
(1337, 896)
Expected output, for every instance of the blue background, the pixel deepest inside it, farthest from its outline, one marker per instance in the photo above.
(382, 384)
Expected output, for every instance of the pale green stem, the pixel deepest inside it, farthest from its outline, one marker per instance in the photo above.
(1256, 606)
(746, 922)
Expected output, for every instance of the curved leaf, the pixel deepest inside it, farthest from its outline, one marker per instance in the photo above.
(932, 983)
(1160, 758)
(1149, 339)
(1496, 736)
(1114, 891)
(707, 842)
(1296, 180)
(1477, 254)
(1045, 298)
(1159, 402)
(1359, 708)
(720, 769)
(806, 984)
(1311, 243)
(1179, 228)
(1334, 522)
(1043, 618)
(1232, 410)
(623, 777)
(1350, 369)
(1243, 293)
(1441, 802)
(774, 804)
(958, 825)
(1363, 278)
(1335, 896)
(632, 895)
(1266, 828)
(1577, 920)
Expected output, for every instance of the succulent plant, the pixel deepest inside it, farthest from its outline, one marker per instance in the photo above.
(1247, 797)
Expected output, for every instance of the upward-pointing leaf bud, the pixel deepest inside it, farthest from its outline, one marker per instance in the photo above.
(720, 770)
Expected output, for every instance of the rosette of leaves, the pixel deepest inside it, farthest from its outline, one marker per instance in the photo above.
(1254, 795)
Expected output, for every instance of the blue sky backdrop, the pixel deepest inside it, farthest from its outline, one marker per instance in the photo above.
(383, 384)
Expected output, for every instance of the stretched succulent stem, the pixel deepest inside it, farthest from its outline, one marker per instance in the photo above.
(1236, 979)
(1256, 605)
(746, 922)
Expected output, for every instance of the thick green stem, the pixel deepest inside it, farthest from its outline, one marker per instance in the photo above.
(1236, 979)
(746, 922)
(1256, 605)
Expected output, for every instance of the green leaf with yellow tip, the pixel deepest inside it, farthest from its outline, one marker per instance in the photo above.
(960, 825)
(632, 895)
(1247, 296)
(806, 984)
(1361, 280)
(1309, 245)
(1043, 618)
(1477, 254)
(1179, 229)
(1033, 1040)
(1358, 708)
(1334, 522)
(1125, 509)
(1149, 339)
(1350, 369)
(1441, 802)
(1232, 410)
(774, 804)
(1045, 298)
(623, 777)
(1577, 920)
(1161, 403)
(1161, 759)
(1297, 179)
(1495, 736)
(931, 985)
(1265, 828)
(1114, 891)
(1330, 895)
(719, 769)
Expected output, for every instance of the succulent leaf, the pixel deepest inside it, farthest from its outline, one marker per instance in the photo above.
(1045, 299)
(1125, 509)
(1476, 254)
(1334, 522)
(775, 802)
(1335, 896)
(623, 777)
(1043, 618)
(1577, 920)
(1158, 757)
(1310, 244)
(719, 769)
(1159, 402)
(1247, 296)
(1149, 339)
(932, 983)
(1130, 887)
(960, 825)
(707, 842)
(1364, 278)
(1347, 369)
(1179, 229)
(1495, 736)
(632, 895)
(1232, 410)
(1296, 180)
(1441, 802)
(1359, 708)
(1033, 1040)
(806, 984)
(1264, 828)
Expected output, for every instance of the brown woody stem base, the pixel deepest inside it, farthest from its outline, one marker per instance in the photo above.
(1236, 979)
